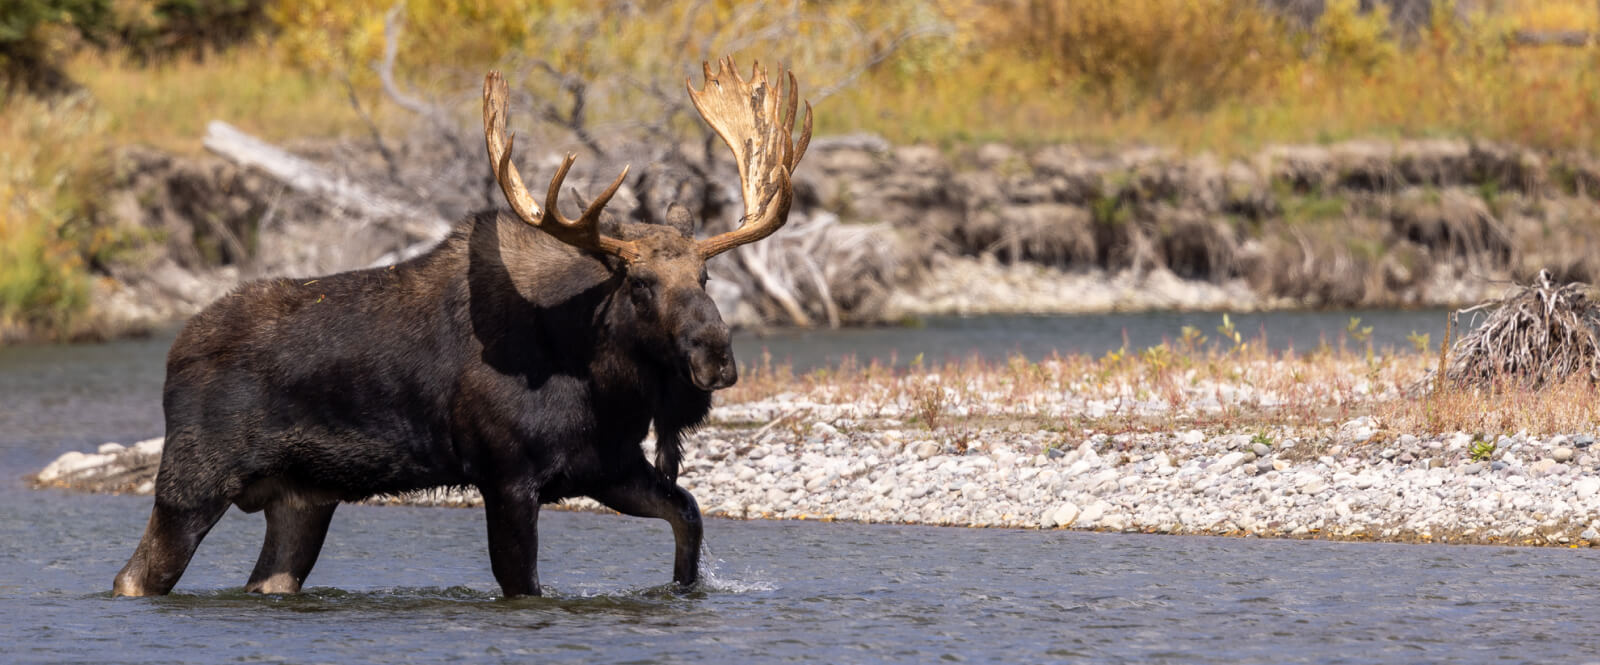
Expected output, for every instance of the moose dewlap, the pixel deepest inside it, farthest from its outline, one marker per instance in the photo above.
(526, 355)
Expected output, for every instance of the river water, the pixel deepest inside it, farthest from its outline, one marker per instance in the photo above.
(401, 585)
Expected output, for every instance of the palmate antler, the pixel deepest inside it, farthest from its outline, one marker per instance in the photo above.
(756, 120)
(583, 232)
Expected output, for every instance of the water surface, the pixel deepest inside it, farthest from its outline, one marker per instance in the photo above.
(401, 585)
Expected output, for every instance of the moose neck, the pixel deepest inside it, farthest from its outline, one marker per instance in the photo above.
(538, 306)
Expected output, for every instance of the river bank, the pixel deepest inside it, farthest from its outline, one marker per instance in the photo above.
(880, 233)
(1328, 446)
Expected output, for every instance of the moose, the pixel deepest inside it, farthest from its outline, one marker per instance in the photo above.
(527, 356)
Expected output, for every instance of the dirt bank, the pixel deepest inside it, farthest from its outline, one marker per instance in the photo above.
(986, 228)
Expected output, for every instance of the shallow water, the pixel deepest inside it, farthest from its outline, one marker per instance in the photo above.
(994, 337)
(398, 585)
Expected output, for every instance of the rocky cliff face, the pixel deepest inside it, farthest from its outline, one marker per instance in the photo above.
(886, 231)
(1357, 223)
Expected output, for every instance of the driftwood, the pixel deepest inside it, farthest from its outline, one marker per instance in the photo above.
(312, 180)
(1541, 334)
(816, 268)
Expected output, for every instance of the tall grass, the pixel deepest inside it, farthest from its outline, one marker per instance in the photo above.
(47, 163)
(1226, 75)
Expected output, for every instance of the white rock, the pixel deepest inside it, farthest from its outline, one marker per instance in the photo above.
(1065, 514)
(1586, 487)
(149, 446)
(110, 448)
(1093, 513)
(1228, 462)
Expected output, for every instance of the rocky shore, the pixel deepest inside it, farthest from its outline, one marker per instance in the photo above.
(1054, 456)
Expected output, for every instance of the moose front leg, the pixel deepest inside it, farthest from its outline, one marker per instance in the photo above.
(513, 515)
(646, 492)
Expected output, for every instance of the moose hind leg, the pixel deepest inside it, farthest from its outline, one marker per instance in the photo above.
(169, 541)
(295, 532)
(646, 492)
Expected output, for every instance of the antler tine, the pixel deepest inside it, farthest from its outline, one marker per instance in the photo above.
(805, 132)
(756, 119)
(499, 146)
(554, 192)
(593, 210)
(584, 232)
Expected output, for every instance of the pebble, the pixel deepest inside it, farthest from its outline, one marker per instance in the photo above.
(1167, 482)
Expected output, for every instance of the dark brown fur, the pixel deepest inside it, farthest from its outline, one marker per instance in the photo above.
(502, 360)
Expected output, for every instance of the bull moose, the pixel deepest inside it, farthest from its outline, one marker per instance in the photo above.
(526, 356)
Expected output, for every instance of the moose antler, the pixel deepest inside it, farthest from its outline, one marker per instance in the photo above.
(583, 232)
(746, 114)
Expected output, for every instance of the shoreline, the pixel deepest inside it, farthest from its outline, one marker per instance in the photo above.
(1221, 490)
(1230, 452)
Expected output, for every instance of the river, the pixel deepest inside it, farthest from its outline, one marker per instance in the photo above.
(399, 584)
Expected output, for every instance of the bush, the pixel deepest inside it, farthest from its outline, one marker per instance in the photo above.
(177, 28)
(36, 34)
(48, 153)
(1171, 55)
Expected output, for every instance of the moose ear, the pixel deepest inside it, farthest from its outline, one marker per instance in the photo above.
(678, 218)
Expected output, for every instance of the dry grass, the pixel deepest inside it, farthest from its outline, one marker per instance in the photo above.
(167, 104)
(1503, 407)
(1237, 386)
(1223, 75)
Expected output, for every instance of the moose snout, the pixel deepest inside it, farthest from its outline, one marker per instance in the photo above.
(713, 368)
(710, 356)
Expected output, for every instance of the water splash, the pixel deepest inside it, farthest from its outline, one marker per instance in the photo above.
(713, 579)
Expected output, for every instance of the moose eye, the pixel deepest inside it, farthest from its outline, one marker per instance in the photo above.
(642, 287)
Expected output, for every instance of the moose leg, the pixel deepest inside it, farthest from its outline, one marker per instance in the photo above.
(295, 533)
(513, 516)
(169, 542)
(645, 492)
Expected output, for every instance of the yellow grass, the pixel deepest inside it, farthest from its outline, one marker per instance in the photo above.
(167, 104)
(1194, 383)
(45, 234)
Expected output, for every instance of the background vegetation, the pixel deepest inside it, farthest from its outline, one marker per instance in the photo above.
(84, 76)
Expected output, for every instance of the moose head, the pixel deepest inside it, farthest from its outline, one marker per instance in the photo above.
(663, 267)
